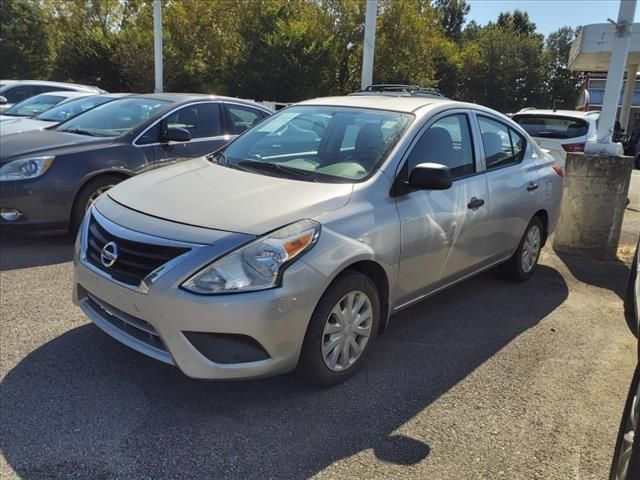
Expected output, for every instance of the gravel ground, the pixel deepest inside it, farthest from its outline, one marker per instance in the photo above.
(487, 380)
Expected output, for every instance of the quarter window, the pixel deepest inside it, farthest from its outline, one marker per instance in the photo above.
(502, 145)
(242, 118)
(448, 142)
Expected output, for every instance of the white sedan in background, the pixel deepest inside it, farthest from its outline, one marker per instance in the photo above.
(559, 131)
(60, 113)
(38, 104)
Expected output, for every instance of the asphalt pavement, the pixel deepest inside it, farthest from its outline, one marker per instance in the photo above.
(487, 380)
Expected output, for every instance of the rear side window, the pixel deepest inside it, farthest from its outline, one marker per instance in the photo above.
(21, 92)
(241, 118)
(502, 145)
(448, 142)
(547, 126)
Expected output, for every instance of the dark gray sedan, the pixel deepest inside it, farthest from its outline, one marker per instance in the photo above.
(49, 178)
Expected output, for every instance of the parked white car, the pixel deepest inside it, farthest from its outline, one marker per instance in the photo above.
(63, 111)
(559, 131)
(15, 91)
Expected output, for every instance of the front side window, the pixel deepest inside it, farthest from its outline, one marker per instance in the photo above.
(114, 118)
(447, 142)
(316, 143)
(34, 105)
(502, 145)
(201, 120)
(20, 92)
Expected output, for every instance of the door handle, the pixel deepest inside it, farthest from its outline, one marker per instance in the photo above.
(532, 186)
(475, 203)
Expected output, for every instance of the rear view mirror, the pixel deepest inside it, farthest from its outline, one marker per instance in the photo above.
(3, 100)
(430, 176)
(174, 134)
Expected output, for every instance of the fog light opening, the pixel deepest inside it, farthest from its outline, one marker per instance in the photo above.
(10, 214)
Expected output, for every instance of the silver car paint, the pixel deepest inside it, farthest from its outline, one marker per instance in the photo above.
(424, 241)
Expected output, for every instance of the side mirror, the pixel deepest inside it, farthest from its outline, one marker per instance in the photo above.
(174, 134)
(430, 176)
(3, 100)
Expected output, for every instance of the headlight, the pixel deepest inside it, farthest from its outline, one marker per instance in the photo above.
(258, 265)
(25, 168)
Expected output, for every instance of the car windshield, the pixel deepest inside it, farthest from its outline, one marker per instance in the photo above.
(547, 126)
(320, 144)
(66, 110)
(114, 118)
(34, 105)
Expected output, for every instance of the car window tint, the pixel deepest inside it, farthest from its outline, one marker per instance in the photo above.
(20, 92)
(242, 118)
(34, 105)
(448, 142)
(498, 148)
(201, 120)
(72, 108)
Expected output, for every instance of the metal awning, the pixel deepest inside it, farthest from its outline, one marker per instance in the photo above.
(591, 50)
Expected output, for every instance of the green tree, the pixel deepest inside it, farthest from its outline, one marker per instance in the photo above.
(452, 15)
(25, 50)
(562, 83)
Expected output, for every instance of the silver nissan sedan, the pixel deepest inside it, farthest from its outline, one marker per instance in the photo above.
(291, 247)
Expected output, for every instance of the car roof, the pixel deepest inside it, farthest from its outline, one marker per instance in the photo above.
(48, 83)
(381, 102)
(190, 97)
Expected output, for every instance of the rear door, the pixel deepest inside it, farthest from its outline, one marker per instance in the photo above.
(442, 231)
(202, 120)
(512, 178)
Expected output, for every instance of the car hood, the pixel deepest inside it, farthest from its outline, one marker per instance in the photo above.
(23, 125)
(200, 193)
(46, 142)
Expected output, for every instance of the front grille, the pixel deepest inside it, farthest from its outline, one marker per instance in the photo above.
(135, 260)
(132, 326)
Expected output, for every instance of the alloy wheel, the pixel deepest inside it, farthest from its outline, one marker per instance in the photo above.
(347, 331)
(531, 248)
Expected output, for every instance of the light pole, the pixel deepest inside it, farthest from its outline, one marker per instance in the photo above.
(369, 43)
(157, 44)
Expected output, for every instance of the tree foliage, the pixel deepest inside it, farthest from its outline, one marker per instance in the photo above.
(288, 50)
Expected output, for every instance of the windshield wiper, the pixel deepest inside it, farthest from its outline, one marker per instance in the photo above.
(80, 131)
(278, 168)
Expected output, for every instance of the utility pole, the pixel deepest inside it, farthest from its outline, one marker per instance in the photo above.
(369, 43)
(157, 44)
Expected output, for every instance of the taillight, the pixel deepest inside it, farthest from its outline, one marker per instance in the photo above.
(559, 170)
(573, 147)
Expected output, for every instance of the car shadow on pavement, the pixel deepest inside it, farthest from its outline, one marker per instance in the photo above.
(84, 406)
(611, 275)
(25, 251)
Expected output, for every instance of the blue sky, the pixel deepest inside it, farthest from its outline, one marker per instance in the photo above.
(549, 15)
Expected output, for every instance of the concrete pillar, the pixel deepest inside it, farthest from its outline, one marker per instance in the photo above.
(629, 87)
(595, 196)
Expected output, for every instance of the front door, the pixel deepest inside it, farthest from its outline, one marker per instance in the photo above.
(442, 231)
(203, 121)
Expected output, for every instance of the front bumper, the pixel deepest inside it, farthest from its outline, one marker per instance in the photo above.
(43, 206)
(158, 322)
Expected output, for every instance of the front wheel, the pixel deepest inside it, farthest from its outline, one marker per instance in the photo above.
(89, 194)
(341, 330)
(626, 457)
(525, 259)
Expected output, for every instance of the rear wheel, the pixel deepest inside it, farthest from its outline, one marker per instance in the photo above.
(341, 330)
(626, 457)
(525, 259)
(89, 194)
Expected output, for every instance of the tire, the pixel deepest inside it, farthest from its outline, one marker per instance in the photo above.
(637, 161)
(626, 457)
(326, 329)
(87, 195)
(629, 298)
(514, 268)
